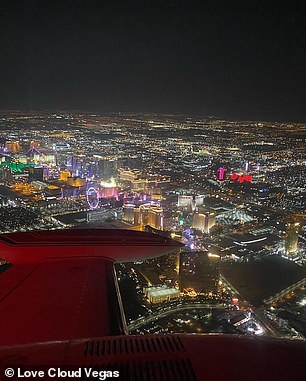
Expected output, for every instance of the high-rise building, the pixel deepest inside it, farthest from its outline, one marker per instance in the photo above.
(128, 174)
(155, 180)
(198, 221)
(34, 144)
(184, 201)
(64, 175)
(155, 193)
(36, 173)
(6, 174)
(190, 201)
(12, 146)
(204, 221)
(150, 214)
(107, 168)
(76, 181)
(221, 173)
(210, 221)
(133, 178)
(128, 213)
(50, 158)
(136, 216)
(292, 237)
(72, 163)
(138, 184)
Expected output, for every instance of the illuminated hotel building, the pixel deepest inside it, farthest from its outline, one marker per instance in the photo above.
(204, 221)
(292, 237)
(198, 221)
(128, 174)
(133, 177)
(23, 159)
(76, 181)
(128, 213)
(12, 146)
(107, 168)
(64, 175)
(190, 201)
(184, 200)
(49, 158)
(136, 216)
(138, 184)
(36, 173)
(34, 144)
(156, 179)
(155, 193)
(151, 215)
(210, 221)
(161, 294)
(143, 215)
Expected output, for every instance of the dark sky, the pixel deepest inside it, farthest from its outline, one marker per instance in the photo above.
(235, 59)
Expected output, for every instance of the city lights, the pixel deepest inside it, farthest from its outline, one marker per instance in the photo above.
(232, 197)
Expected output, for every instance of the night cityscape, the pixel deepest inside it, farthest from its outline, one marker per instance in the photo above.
(232, 192)
(152, 190)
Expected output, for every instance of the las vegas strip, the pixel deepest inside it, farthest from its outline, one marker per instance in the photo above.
(232, 192)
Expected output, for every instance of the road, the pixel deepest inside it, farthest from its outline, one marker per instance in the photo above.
(259, 315)
(160, 314)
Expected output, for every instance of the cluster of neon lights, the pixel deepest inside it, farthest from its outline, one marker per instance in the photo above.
(15, 166)
(241, 178)
(221, 173)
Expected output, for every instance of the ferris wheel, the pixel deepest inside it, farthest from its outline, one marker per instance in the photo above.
(92, 197)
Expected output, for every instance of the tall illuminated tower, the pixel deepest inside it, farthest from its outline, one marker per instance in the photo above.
(221, 173)
(292, 237)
